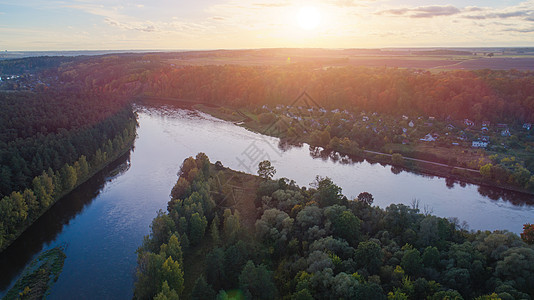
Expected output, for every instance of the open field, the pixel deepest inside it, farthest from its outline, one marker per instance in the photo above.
(451, 60)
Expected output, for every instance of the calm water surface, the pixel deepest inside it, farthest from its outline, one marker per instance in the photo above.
(104, 220)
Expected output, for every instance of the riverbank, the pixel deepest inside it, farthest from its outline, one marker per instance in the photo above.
(251, 122)
(102, 159)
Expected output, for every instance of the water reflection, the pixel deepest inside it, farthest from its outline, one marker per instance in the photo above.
(493, 193)
(50, 224)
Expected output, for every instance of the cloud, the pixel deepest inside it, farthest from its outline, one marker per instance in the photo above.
(524, 10)
(279, 4)
(141, 26)
(349, 3)
(520, 30)
(423, 11)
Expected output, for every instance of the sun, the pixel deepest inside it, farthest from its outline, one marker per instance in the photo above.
(309, 17)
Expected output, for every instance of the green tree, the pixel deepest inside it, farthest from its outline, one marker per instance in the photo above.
(166, 293)
(369, 255)
(256, 282)
(347, 226)
(485, 171)
(266, 170)
(202, 290)
(197, 228)
(69, 178)
(84, 167)
(328, 193)
(172, 249)
(171, 271)
(431, 257)
(411, 262)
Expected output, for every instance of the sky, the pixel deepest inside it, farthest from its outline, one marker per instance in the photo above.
(238, 24)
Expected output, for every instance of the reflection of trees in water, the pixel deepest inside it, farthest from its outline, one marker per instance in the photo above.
(288, 144)
(50, 224)
(492, 193)
(396, 170)
(515, 198)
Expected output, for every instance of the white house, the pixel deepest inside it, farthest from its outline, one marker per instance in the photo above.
(469, 122)
(479, 144)
(506, 132)
(411, 124)
(527, 126)
(428, 138)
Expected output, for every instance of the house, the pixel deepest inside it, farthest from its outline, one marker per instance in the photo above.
(365, 118)
(469, 123)
(506, 132)
(486, 124)
(405, 142)
(404, 130)
(431, 118)
(527, 126)
(428, 138)
(450, 127)
(404, 117)
(485, 138)
(479, 144)
(485, 129)
(455, 144)
(411, 124)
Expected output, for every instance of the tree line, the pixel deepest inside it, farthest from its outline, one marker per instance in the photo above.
(22, 207)
(314, 243)
(497, 96)
(53, 140)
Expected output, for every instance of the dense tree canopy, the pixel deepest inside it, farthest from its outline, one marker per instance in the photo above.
(315, 244)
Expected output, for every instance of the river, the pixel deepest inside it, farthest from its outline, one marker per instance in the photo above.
(104, 220)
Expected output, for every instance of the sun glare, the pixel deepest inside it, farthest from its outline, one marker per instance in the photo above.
(309, 17)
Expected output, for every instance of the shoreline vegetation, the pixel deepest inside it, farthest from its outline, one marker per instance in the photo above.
(37, 279)
(227, 234)
(50, 187)
(249, 120)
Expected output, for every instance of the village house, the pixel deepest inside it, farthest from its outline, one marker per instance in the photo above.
(411, 124)
(428, 138)
(506, 132)
(479, 144)
(527, 126)
(469, 123)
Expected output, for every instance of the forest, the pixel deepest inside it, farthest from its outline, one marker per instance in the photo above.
(53, 140)
(497, 96)
(314, 243)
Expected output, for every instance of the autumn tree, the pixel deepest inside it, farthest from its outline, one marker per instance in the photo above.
(528, 234)
(266, 170)
(366, 198)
